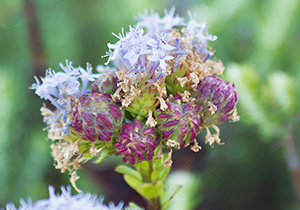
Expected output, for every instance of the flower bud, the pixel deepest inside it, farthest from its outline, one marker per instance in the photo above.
(106, 83)
(179, 123)
(97, 117)
(136, 142)
(217, 99)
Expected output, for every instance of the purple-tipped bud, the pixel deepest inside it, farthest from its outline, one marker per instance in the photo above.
(136, 142)
(180, 123)
(97, 118)
(106, 83)
(217, 99)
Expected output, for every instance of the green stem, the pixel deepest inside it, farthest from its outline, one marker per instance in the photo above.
(153, 203)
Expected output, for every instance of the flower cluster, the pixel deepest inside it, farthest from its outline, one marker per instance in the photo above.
(161, 93)
(66, 201)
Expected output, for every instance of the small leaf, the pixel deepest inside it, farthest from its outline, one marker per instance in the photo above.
(160, 174)
(155, 174)
(133, 182)
(151, 190)
(142, 166)
(128, 171)
(166, 197)
(164, 173)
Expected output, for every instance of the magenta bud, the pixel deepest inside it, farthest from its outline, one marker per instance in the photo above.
(219, 92)
(103, 137)
(137, 124)
(90, 133)
(121, 151)
(77, 123)
(140, 155)
(87, 118)
(141, 146)
(163, 115)
(149, 156)
(150, 144)
(171, 123)
(127, 128)
(97, 117)
(148, 131)
(116, 113)
(124, 136)
(118, 145)
(103, 122)
(176, 122)
(136, 141)
(166, 134)
(131, 160)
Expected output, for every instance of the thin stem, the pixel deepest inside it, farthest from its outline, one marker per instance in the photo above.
(153, 203)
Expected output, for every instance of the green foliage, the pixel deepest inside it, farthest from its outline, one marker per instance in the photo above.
(147, 179)
(261, 40)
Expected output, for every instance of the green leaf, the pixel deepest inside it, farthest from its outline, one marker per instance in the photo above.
(164, 173)
(142, 166)
(133, 182)
(126, 170)
(160, 174)
(151, 190)
(166, 197)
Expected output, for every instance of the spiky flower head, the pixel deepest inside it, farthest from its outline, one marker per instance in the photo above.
(217, 100)
(179, 124)
(97, 118)
(136, 142)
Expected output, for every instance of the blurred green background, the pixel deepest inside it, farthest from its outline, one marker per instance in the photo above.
(259, 43)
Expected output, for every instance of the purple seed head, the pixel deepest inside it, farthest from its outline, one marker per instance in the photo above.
(136, 142)
(97, 118)
(216, 98)
(180, 122)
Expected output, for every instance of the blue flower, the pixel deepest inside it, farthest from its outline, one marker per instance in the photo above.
(199, 30)
(58, 85)
(156, 25)
(66, 201)
(150, 22)
(130, 48)
(168, 21)
(160, 51)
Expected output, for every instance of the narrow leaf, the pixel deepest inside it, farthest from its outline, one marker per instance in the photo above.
(151, 190)
(129, 171)
(167, 196)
